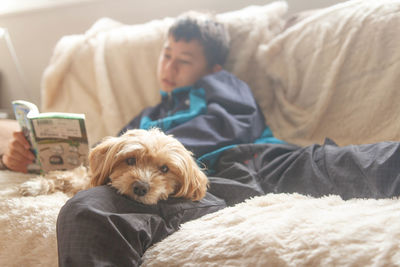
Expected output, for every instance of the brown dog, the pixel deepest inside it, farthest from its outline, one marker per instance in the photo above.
(145, 165)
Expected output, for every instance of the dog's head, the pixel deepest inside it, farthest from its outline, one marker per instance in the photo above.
(147, 166)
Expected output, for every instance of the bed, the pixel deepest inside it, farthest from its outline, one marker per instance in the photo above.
(332, 72)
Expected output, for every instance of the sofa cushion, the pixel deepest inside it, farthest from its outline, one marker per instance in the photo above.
(335, 74)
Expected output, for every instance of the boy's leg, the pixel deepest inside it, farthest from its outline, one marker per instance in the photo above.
(364, 171)
(237, 175)
(99, 227)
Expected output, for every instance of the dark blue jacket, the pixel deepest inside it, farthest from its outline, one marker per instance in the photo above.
(219, 111)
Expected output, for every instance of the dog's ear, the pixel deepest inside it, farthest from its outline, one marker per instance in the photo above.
(193, 182)
(100, 161)
(198, 184)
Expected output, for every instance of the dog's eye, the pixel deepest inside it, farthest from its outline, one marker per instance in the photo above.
(131, 161)
(164, 169)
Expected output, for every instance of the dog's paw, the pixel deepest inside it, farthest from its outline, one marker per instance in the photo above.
(32, 187)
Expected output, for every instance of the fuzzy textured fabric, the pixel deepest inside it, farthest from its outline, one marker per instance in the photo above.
(274, 230)
(27, 224)
(335, 74)
(287, 230)
(109, 72)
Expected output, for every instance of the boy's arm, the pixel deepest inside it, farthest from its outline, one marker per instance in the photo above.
(133, 124)
(209, 132)
(232, 116)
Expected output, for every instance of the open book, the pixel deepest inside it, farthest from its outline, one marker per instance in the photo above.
(58, 140)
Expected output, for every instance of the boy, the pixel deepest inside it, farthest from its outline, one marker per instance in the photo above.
(207, 114)
(204, 114)
(205, 108)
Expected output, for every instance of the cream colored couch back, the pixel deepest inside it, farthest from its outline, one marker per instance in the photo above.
(335, 73)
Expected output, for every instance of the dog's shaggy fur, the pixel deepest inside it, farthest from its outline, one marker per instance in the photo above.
(145, 165)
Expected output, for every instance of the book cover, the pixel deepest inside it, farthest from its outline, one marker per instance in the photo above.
(58, 140)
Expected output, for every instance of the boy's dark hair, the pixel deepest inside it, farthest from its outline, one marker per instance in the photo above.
(203, 28)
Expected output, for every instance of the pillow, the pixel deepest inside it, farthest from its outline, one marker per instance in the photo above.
(109, 73)
(335, 74)
(286, 230)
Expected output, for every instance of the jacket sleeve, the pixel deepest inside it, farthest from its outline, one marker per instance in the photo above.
(232, 116)
(133, 124)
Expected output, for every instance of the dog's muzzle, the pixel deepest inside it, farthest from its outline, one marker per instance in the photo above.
(140, 188)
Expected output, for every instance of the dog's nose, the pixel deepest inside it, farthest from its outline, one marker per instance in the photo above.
(140, 188)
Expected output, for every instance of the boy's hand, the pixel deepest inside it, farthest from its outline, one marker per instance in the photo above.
(18, 154)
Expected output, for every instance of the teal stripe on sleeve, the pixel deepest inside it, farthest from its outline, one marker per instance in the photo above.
(268, 138)
(198, 105)
(209, 159)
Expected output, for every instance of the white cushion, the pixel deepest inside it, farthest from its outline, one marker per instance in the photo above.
(336, 74)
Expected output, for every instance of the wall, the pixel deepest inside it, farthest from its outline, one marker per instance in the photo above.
(35, 32)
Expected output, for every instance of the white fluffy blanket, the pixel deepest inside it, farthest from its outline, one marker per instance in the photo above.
(287, 230)
(277, 230)
(336, 74)
(27, 224)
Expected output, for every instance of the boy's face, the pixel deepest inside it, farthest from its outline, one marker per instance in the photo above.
(181, 64)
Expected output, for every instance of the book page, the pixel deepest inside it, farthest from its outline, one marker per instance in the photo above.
(61, 141)
(57, 128)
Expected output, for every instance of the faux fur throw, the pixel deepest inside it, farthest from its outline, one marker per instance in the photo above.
(287, 230)
(335, 74)
(273, 230)
(27, 224)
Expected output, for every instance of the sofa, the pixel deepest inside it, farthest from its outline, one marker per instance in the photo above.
(332, 72)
